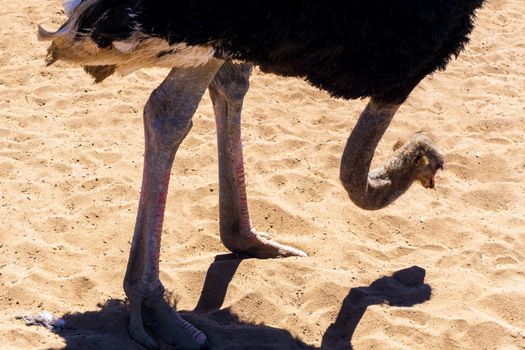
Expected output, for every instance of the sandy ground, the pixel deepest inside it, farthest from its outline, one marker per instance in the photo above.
(70, 172)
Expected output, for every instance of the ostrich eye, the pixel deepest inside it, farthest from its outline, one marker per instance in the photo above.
(418, 158)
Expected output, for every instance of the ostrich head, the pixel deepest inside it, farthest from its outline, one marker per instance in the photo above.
(423, 158)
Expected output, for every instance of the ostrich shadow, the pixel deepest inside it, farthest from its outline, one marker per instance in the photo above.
(106, 328)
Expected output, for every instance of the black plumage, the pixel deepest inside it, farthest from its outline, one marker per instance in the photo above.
(351, 48)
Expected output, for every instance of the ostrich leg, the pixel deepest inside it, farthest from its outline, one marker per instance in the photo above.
(167, 121)
(227, 92)
(372, 190)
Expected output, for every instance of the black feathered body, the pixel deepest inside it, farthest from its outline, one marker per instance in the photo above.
(351, 48)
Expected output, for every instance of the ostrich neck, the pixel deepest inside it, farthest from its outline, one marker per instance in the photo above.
(373, 190)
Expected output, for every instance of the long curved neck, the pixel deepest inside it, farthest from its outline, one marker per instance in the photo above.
(377, 189)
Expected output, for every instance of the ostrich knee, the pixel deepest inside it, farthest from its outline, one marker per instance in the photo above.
(232, 81)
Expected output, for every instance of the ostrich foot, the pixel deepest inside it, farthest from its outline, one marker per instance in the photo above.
(260, 245)
(155, 316)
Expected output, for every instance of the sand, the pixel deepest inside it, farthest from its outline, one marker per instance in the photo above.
(70, 172)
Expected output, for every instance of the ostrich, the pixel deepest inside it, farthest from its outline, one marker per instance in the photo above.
(350, 48)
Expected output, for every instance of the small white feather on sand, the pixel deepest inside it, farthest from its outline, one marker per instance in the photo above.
(45, 319)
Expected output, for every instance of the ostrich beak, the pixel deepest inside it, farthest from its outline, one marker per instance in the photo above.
(428, 182)
(428, 179)
(432, 183)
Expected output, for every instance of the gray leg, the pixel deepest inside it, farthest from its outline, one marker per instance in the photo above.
(227, 92)
(167, 121)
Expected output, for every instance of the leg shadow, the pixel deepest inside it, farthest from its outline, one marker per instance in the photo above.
(219, 275)
(404, 288)
(106, 328)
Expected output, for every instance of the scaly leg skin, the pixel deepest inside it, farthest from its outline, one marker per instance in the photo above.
(167, 121)
(227, 92)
